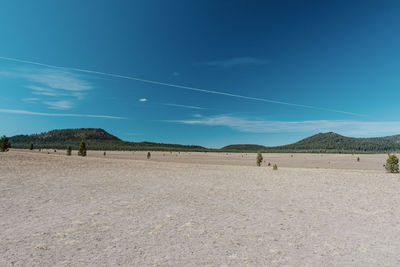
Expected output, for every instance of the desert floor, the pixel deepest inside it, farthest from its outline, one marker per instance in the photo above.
(192, 209)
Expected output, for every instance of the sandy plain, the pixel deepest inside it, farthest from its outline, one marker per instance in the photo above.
(191, 209)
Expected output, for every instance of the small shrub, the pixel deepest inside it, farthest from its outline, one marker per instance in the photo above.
(358, 159)
(30, 146)
(148, 155)
(269, 163)
(69, 150)
(55, 150)
(82, 149)
(4, 144)
(275, 167)
(104, 154)
(259, 159)
(392, 164)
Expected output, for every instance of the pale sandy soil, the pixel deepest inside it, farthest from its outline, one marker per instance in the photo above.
(298, 160)
(103, 211)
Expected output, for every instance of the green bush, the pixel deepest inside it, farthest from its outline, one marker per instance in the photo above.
(275, 167)
(69, 150)
(4, 144)
(104, 154)
(30, 146)
(148, 155)
(259, 159)
(82, 149)
(392, 164)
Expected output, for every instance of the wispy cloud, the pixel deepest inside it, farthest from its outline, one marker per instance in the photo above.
(61, 105)
(30, 99)
(182, 106)
(235, 62)
(143, 100)
(175, 74)
(58, 87)
(350, 128)
(26, 112)
(56, 79)
(195, 89)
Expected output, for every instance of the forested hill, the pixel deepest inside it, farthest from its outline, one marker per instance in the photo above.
(335, 142)
(95, 139)
(330, 142)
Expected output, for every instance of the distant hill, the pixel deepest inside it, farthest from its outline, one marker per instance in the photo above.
(96, 139)
(329, 142)
(336, 143)
(244, 148)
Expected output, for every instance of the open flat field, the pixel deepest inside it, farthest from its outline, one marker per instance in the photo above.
(192, 209)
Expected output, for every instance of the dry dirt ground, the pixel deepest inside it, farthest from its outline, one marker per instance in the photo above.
(115, 210)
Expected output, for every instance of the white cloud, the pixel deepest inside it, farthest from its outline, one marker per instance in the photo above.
(56, 79)
(349, 128)
(58, 85)
(25, 112)
(143, 100)
(30, 99)
(45, 93)
(62, 104)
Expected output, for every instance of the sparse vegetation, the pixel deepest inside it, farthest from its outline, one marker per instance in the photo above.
(269, 163)
(392, 164)
(4, 144)
(69, 150)
(30, 146)
(82, 149)
(259, 159)
(358, 159)
(104, 154)
(148, 155)
(275, 167)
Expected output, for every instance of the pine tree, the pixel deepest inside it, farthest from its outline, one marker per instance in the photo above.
(259, 159)
(392, 164)
(82, 149)
(4, 144)
(69, 150)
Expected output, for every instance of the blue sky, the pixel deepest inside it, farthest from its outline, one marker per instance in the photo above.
(210, 73)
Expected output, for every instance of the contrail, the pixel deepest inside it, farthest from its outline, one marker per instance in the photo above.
(181, 86)
(181, 106)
